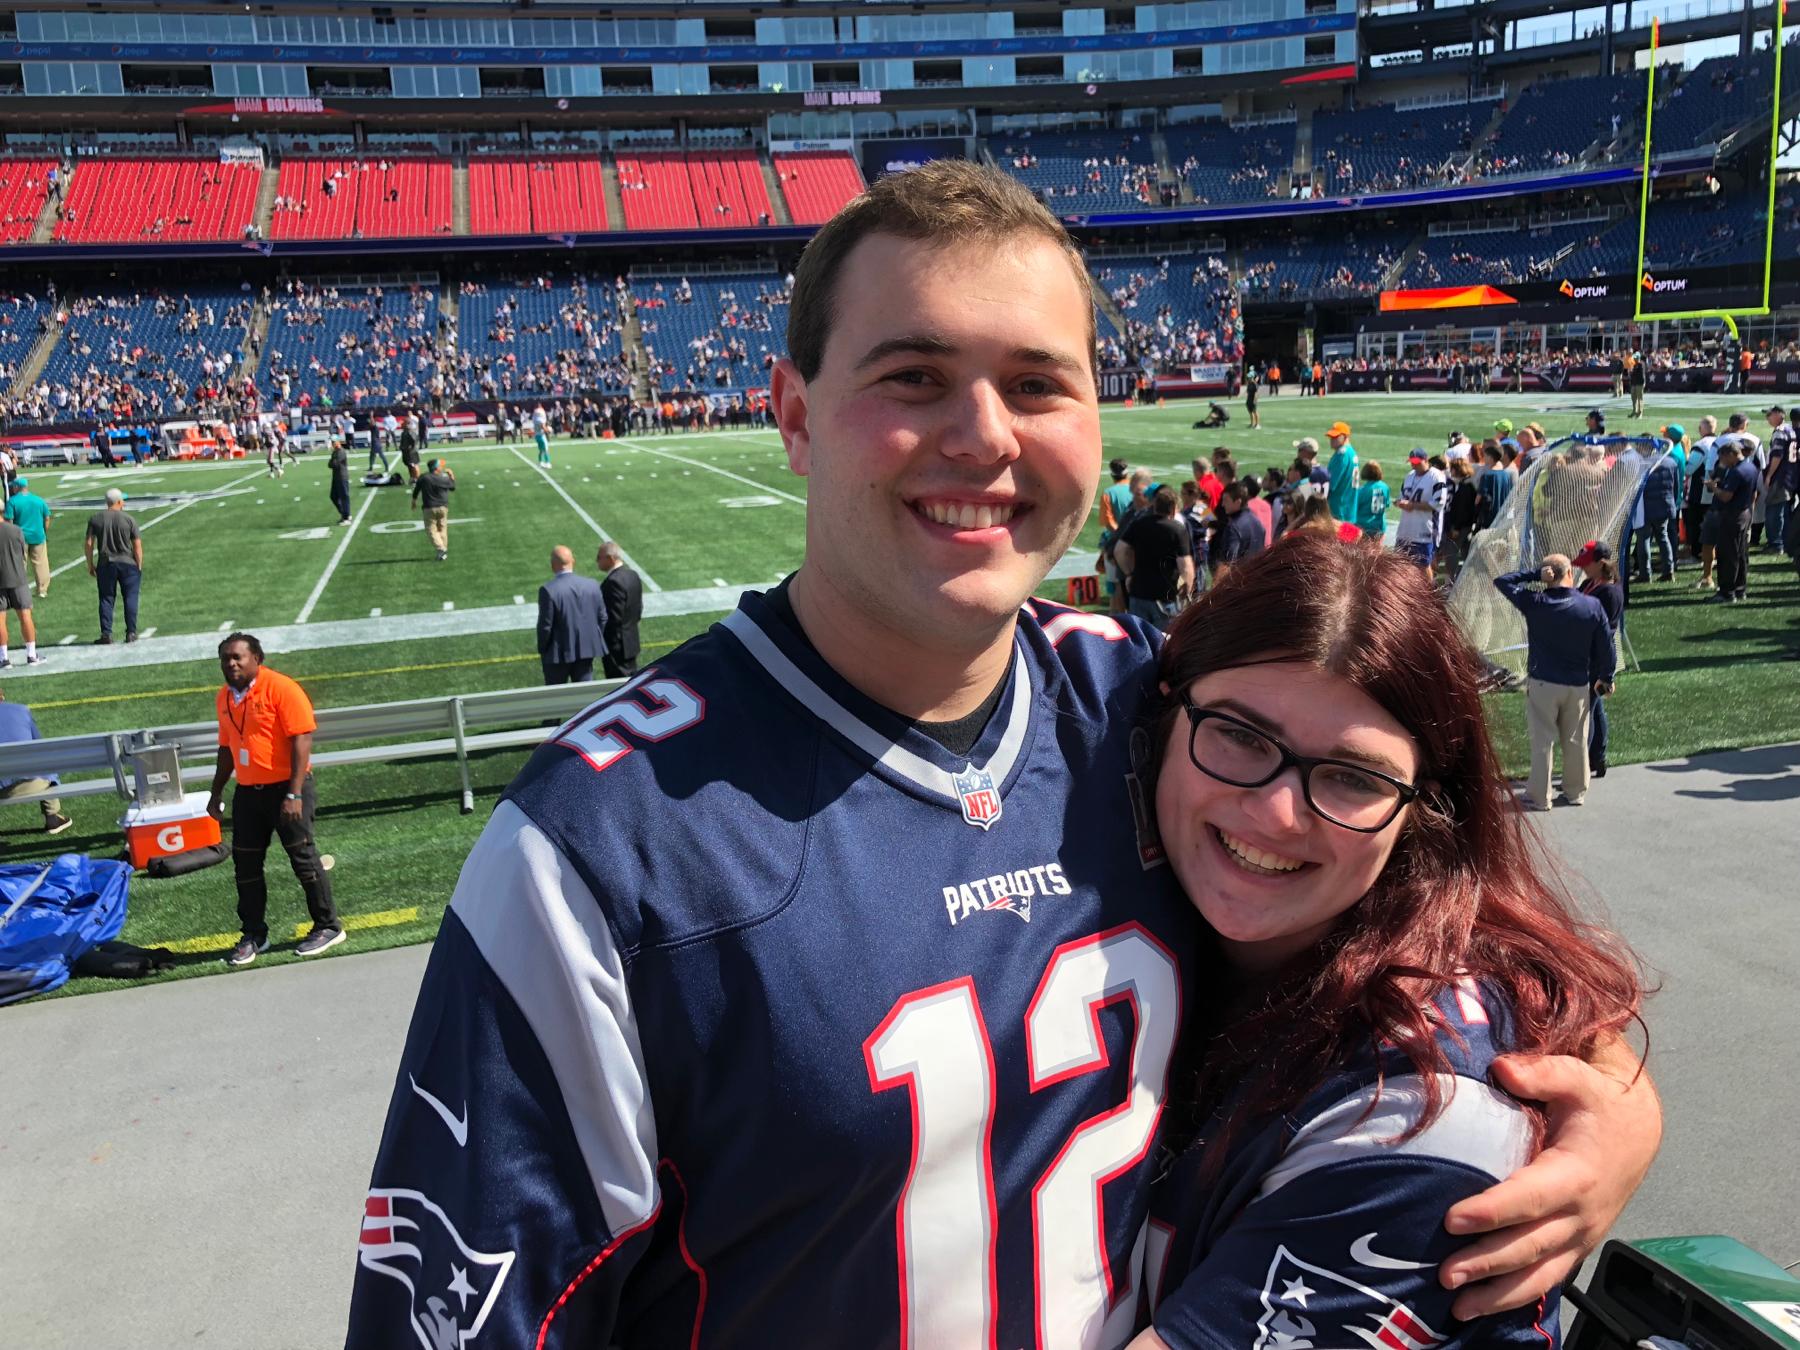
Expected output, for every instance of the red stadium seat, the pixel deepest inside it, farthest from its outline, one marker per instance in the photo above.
(24, 184)
(817, 183)
(158, 200)
(520, 195)
(367, 199)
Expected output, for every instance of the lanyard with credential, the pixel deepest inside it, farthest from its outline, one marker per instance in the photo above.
(239, 722)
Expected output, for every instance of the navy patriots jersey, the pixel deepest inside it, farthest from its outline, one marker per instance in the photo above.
(1323, 1233)
(757, 1018)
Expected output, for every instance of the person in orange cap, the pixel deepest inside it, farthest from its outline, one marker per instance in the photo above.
(1342, 467)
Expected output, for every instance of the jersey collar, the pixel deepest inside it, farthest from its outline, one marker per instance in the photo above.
(896, 749)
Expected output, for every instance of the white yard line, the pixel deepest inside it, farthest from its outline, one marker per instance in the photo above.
(592, 524)
(727, 473)
(143, 525)
(338, 556)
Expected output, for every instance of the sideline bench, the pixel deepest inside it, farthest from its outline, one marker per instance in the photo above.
(455, 724)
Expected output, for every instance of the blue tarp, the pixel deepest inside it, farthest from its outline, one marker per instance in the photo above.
(50, 914)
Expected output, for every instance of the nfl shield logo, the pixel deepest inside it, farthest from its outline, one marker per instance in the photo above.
(980, 798)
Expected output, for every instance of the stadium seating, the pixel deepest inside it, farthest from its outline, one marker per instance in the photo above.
(536, 195)
(352, 345)
(1178, 310)
(1381, 149)
(1115, 171)
(1351, 264)
(1513, 256)
(24, 185)
(158, 200)
(1715, 96)
(729, 189)
(1554, 122)
(115, 342)
(1223, 163)
(21, 319)
(714, 333)
(362, 199)
(548, 336)
(657, 192)
(816, 183)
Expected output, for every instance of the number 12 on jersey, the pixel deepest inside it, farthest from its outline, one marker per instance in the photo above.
(935, 1044)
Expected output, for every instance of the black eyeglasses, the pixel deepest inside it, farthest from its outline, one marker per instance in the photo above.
(1349, 795)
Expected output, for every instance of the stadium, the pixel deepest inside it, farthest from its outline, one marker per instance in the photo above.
(232, 231)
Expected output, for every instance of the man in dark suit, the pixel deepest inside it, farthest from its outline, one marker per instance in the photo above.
(571, 621)
(624, 591)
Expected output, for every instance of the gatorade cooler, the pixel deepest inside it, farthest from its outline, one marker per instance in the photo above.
(158, 831)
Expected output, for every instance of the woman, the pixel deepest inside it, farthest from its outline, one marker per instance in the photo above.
(1372, 501)
(1462, 514)
(1310, 511)
(1601, 580)
(1329, 797)
(1252, 384)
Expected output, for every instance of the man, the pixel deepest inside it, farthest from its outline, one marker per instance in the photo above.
(1306, 452)
(1570, 658)
(431, 492)
(1532, 441)
(1635, 378)
(1115, 500)
(15, 594)
(737, 1004)
(31, 513)
(1659, 504)
(1783, 480)
(1237, 534)
(115, 559)
(623, 590)
(571, 620)
(1703, 525)
(1734, 487)
(340, 481)
(1342, 471)
(18, 725)
(1206, 480)
(1421, 505)
(1157, 560)
(266, 727)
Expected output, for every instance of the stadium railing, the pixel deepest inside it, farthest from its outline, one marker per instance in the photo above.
(456, 724)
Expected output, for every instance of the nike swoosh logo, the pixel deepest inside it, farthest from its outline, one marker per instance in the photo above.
(459, 1125)
(1365, 1255)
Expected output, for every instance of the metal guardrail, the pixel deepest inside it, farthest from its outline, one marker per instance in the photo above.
(449, 725)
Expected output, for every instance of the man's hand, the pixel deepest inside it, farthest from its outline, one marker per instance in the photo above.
(215, 808)
(1603, 1127)
(290, 809)
(90, 568)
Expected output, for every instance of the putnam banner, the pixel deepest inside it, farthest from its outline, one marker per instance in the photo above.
(1445, 297)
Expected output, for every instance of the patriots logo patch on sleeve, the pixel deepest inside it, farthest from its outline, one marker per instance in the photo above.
(1306, 1307)
(453, 1286)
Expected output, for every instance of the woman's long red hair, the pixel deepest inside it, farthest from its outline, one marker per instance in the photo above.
(1466, 891)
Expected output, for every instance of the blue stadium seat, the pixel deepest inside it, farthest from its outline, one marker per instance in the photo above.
(1082, 174)
(1382, 149)
(1223, 163)
(547, 336)
(146, 350)
(351, 345)
(714, 333)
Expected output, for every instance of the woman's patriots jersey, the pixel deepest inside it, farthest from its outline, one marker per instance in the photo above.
(758, 1019)
(1324, 1230)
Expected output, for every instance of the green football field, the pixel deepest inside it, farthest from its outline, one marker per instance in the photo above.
(365, 613)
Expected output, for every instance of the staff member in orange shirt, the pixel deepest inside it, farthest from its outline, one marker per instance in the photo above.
(265, 735)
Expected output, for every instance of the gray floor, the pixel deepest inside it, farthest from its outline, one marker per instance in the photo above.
(185, 1165)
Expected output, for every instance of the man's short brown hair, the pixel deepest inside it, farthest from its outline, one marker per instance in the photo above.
(942, 202)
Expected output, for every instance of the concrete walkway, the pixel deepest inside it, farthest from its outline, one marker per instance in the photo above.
(184, 1165)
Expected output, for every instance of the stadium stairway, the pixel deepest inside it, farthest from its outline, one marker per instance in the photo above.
(1390, 279)
(631, 338)
(1107, 305)
(777, 198)
(615, 200)
(1303, 142)
(256, 334)
(459, 199)
(44, 231)
(1165, 170)
(265, 204)
(39, 355)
